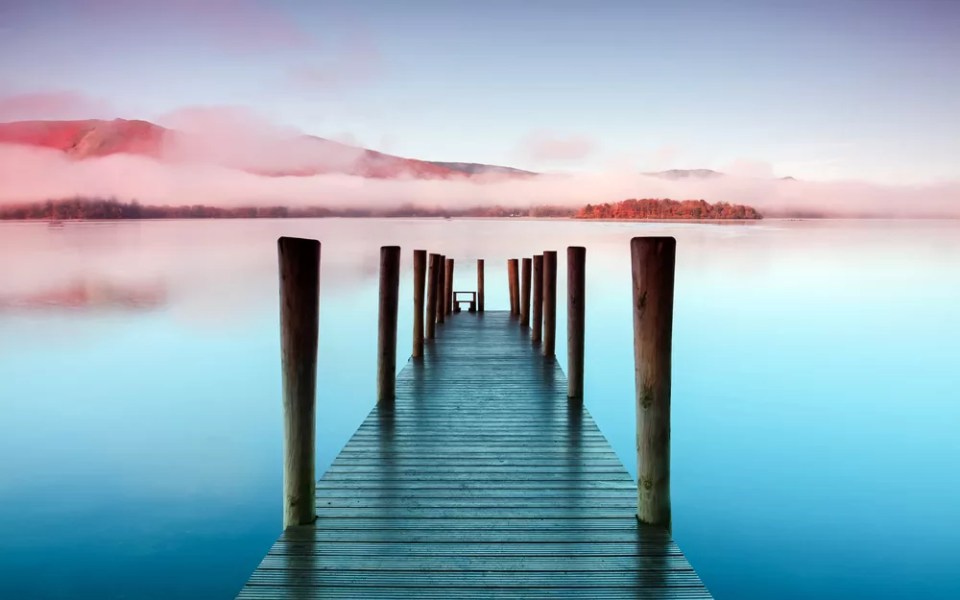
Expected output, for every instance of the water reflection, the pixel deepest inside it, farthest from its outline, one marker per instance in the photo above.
(89, 295)
(797, 344)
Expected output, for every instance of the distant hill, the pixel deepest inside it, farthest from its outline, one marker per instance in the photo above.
(296, 156)
(293, 156)
(481, 169)
(86, 139)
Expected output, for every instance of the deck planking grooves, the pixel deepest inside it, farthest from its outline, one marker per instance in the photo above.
(481, 480)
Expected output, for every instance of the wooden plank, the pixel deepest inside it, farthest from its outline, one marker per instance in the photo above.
(600, 592)
(254, 592)
(405, 562)
(537, 523)
(480, 480)
(462, 578)
(519, 550)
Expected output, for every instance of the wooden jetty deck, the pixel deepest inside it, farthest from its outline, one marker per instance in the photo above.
(481, 479)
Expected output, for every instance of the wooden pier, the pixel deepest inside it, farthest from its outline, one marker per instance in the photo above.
(480, 478)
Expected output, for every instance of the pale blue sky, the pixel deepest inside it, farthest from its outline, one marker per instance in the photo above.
(861, 89)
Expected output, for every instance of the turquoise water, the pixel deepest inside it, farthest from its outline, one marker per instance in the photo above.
(815, 397)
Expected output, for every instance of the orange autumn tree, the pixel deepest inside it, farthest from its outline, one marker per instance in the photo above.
(667, 209)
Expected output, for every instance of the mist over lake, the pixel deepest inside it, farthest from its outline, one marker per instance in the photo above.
(814, 393)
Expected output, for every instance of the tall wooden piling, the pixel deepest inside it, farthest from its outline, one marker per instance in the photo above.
(433, 280)
(549, 302)
(419, 281)
(448, 282)
(441, 290)
(387, 330)
(654, 262)
(525, 292)
(479, 285)
(299, 321)
(536, 322)
(513, 285)
(576, 290)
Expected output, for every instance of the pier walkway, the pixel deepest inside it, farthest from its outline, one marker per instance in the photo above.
(482, 480)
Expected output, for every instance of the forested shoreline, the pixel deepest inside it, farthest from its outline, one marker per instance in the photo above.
(74, 209)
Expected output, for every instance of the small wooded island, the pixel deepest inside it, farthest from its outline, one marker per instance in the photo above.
(109, 209)
(667, 209)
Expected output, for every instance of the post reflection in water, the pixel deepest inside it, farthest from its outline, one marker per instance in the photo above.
(780, 330)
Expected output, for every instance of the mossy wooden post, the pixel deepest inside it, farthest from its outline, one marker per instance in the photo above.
(479, 285)
(549, 302)
(419, 281)
(536, 323)
(441, 290)
(576, 295)
(525, 293)
(513, 285)
(448, 282)
(433, 280)
(299, 321)
(654, 261)
(387, 329)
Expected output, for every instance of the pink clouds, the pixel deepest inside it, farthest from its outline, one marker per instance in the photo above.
(544, 146)
(238, 138)
(37, 174)
(223, 156)
(64, 104)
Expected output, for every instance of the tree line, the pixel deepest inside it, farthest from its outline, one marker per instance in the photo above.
(110, 208)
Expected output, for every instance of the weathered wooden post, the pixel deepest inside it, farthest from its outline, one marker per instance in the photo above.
(549, 302)
(433, 280)
(537, 321)
(441, 290)
(525, 293)
(419, 280)
(480, 285)
(299, 321)
(448, 282)
(513, 284)
(576, 295)
(387, 330)
(654, 261)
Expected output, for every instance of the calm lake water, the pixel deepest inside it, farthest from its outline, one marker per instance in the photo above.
(816, 396)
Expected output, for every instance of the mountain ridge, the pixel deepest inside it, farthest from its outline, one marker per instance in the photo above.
(308, 154)
(96, 138)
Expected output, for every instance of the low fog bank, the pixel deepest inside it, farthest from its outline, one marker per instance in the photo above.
(238, 138)
(34, 174)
